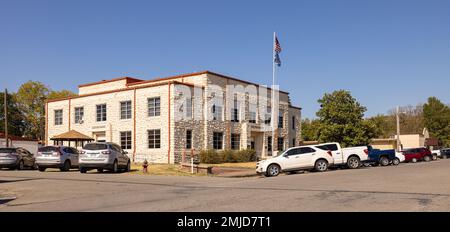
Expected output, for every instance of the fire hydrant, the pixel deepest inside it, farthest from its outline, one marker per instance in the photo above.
(144, 166)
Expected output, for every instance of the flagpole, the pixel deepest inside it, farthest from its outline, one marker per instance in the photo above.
(272, 91)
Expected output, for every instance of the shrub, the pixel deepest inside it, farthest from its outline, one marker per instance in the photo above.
(210, 157)
(247, 155)
(228, 156)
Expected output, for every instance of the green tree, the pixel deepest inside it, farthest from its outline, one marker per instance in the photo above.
(310, 129)
(31, 98)
(341, 120)
(60, 94)
(15, 118)
(437, 120)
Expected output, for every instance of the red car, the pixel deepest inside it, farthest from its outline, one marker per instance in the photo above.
(418, 154)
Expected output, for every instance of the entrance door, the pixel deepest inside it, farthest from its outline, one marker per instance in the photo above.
(100, 137)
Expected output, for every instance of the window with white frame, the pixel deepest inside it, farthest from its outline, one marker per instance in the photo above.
(218, 140)
(235, 141)
(154, 106)
(280, 119)
(252, 113)
(235, 111)
(154, 139)
(58, 117)
(101, 113)
(125, 110)
(79, 114)
(217, 112)
(125, 139)
(189, 108)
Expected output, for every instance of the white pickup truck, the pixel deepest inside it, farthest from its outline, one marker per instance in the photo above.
(352, 157)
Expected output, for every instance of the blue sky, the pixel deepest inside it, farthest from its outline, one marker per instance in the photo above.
(386, 52)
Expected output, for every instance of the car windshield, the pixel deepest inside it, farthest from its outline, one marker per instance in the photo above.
(7, 150)
(48, 149)
(95, 146)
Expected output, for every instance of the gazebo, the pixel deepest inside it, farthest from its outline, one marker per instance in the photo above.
(71, 136)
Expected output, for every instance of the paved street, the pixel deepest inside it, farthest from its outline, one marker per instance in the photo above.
(408, 187)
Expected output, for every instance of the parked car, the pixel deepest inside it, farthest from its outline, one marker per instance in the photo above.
(16, 158)
(295, 159)
(352, 157)
(61, 157)
(417, 154)
(400, 156)
(382, 157)
(102, 156)
(437, 153)
(445, 153)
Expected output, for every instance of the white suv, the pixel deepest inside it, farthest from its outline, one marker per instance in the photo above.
(102, 156)
(295, 159)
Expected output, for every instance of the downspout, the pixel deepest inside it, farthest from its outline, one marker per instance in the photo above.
(70, 106)
(134, 126)
(168, 123)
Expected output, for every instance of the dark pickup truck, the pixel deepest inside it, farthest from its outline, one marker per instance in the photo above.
(382, 157)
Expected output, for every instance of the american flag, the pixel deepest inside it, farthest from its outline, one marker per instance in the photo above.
(277, 51)
(277, 46)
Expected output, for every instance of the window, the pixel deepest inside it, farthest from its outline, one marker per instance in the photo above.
(252, 113)
(293, 122)
(235, 141)
(154, 106)
(189, 108)
(125, 139)
(235, 111)
(328, 147)
(299, 151)
(188, 139)
(268, 115)
(154, 139)
(101, 113)
(58, 117)
(125, 110)
(218, 140)
(217, 112)
(280, 120)
(280, 144)
(293, 142)
(79, 114)
(269, 143)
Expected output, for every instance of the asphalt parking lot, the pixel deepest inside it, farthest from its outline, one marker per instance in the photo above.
(407, 187)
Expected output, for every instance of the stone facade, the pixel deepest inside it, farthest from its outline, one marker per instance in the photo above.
(172, 122)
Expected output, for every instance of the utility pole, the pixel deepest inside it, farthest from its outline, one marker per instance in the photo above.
(5, 104)
(398, 129)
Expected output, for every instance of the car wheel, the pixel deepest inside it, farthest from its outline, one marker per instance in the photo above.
(321, 165)
(273, 170)
(21, 165)
(414, 160)
(128, 169)
(427, 158)
(100, 170)
(42, 169)
(353, 162)
(83, 170)
(434, 157)
(66, 166)
(384, 161)
(115, 168)
(396, 161)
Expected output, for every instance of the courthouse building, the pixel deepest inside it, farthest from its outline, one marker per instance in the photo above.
(163, 119)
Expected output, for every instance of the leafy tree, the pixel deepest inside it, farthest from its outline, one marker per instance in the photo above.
(437, 120)
(31, 98)
(310, 130)
(60, 94)
(15, 118)
(341, 120)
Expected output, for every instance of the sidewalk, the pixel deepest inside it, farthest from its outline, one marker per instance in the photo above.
(233, 172)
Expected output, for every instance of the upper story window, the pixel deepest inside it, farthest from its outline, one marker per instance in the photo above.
(154, 106)
(125, 110)
(235, 111)
(189, 108)
(58, 117)
(217, 112)
(280, 119)
(293, 122)
(268, 115)
(101, 113)
(252, 113)
(79, 114)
